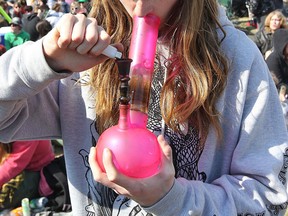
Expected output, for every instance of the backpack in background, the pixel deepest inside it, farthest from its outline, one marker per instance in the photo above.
(56, 177)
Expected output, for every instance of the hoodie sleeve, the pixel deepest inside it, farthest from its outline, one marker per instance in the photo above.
(28, 88)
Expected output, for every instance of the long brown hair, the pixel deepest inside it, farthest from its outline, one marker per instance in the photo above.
(197, 70)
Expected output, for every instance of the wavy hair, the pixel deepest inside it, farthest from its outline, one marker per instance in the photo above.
(197, 70)
(280, 15)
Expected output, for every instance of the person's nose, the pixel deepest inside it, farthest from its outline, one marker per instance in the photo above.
(142, 8)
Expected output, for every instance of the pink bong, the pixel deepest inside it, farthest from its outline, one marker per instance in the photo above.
(135, 149)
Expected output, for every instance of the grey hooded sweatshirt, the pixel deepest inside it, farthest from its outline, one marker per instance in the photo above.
(243, 174)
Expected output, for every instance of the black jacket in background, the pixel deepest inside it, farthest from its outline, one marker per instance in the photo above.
(29, 22)
(276, 61)
(263, 40)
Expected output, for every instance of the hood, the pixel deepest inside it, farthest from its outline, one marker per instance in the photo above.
(31, 16)
(223, 19)
(280, 39)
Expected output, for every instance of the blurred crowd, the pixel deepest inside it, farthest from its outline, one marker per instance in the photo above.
(31, 20)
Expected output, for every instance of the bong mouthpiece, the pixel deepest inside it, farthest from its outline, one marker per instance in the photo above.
(143, 42)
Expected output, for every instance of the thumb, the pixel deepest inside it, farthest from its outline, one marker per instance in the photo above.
(165, 147)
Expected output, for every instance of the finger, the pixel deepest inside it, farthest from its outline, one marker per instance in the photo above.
(65, 28)
(116, 180)
(167, 159)
(97, 172)
(91, 38)
(166, 149)
(109, 166)
(78, 32)
(103, 178)
(119, 47)
(103, 41)
(93, 162)
(112, 172)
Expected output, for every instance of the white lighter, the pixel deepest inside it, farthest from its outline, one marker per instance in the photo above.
(112, 52)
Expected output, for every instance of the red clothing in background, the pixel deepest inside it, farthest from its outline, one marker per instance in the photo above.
(26, 155)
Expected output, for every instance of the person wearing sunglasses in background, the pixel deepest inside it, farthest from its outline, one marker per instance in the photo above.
(17, 35)
(224, 143)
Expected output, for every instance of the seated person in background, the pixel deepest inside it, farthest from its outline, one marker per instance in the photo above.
(84, 7)
(42, 11)
(17, 36)
(278, 60)
(277, 63)
(74, 7)
(260, 9)
(44, 5)
(65, 7)
(54, 14)
(2, 49)
(29, 22)
(16, 10)
(43, 27)
(263, 38)
(20, 166)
